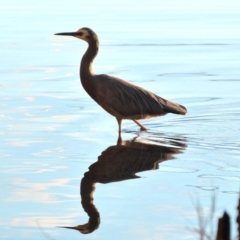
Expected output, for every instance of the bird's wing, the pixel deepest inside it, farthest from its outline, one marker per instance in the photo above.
(128, 100)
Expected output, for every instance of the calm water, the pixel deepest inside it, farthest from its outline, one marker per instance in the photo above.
(56, 140)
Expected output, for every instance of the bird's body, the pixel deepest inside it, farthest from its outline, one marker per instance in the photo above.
(121, 99)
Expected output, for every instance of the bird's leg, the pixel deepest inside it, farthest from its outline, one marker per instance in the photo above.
(140, 125)
(119, 125)
(119, 129)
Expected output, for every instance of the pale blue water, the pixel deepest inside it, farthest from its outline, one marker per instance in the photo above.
(51, 132)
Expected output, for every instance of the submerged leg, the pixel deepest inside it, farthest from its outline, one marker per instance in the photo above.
(119, 141)
(140, 125)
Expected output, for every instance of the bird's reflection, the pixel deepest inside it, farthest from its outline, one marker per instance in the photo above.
(122, 162)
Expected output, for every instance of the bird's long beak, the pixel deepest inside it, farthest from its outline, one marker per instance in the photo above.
(67, 34)
(69, 227)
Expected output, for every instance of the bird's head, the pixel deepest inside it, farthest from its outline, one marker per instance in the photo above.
(85, 34)
(84, 229)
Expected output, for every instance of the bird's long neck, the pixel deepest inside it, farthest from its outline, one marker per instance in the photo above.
(86, 68)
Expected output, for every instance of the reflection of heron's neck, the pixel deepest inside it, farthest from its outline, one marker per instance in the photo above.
(87, 189)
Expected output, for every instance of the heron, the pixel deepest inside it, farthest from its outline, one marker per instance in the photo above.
(120, 98)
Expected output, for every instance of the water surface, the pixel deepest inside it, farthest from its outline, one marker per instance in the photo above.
(53, 136)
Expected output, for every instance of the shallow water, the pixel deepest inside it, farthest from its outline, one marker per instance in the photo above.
(52, 133)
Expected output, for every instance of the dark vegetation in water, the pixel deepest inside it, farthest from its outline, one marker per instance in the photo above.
(224, 225)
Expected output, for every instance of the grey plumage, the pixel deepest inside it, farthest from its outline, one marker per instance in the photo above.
(118, 97)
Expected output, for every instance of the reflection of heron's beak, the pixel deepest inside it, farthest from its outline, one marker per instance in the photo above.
(68, 227)
(81, 228)
(67, 34)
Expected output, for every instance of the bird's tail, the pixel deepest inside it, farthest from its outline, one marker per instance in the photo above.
(173, 107)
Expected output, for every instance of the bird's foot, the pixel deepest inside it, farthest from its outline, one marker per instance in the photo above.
(142, 128)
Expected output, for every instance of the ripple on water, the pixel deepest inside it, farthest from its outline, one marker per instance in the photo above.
(222, 177)
(31, 169)
(205, 188)
(165, 168)
(204, 74)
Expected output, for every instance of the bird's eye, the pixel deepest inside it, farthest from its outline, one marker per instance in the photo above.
(80, 33)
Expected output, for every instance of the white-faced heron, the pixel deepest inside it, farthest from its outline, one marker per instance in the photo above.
(121, 99)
